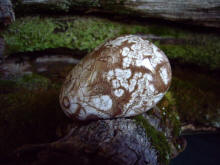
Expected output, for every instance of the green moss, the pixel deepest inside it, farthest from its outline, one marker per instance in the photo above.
(170, 98)
(34, 33)
(167, 31)
(86, 34)
(169, 121)
(29, 81)
(30, 34)
(170, 116)
(157, 138)
(202, 55)
(33, 81)
(195, 104)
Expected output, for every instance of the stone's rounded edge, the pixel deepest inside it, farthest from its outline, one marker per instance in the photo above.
(123, 77)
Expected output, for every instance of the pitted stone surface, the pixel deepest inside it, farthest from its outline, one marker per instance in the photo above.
(124, 77)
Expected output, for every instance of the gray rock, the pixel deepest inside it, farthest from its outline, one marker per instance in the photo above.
(6, 12)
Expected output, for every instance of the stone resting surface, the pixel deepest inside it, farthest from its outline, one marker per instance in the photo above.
(118, 141)
(123, 77)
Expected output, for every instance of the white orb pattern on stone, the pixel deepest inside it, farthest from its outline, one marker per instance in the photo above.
(124, 77)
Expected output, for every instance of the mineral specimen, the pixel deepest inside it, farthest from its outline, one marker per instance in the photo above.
(123, 77)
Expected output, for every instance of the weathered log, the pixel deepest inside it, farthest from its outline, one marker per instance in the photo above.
(109, 142)
(123, 141)
(205, 13)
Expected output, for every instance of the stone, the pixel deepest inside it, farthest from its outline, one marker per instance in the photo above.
(6, 12)
(123, 77)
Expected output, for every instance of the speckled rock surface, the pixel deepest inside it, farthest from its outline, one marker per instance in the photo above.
(123, 77)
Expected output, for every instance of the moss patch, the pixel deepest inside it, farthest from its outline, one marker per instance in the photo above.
(33, 82)
(167, 144)
(206, 54)
(35, 33)
(30, 34)
(157, 138)
(195, 104)
(170, 116)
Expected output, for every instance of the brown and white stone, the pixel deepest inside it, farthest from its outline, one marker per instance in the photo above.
(121, 78)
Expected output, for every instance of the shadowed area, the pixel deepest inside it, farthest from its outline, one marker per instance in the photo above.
(202, 149)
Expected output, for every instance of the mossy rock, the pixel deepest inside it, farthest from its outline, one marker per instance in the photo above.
(164, 137)
(157, 138)
(86, 33)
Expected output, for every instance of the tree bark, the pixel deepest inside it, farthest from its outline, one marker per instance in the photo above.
(121, 141)
(197, 12)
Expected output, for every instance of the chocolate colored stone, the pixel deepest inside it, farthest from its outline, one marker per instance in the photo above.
(123, 77)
